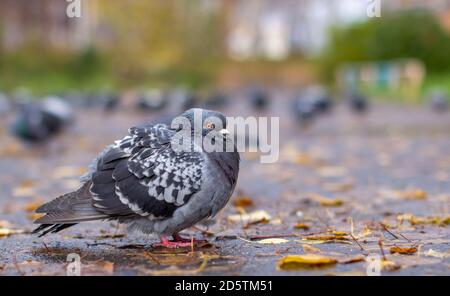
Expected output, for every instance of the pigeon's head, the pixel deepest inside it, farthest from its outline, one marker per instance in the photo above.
(208, 121)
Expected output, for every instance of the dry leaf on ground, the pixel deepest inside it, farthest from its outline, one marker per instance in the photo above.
(436, 254)
(292, 262)
(310, 249)
(325, 201)
(301, 226)
(4, 232)
(243, 201)
(274, 241)
(250, 218)
(402, 250)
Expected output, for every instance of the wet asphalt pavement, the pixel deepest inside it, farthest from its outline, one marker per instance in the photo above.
(382, 178)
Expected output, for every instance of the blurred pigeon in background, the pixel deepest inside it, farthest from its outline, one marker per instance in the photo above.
(259, 98)
(217, 99)
(358, 102)
(304, 109)
(152, 100)
(439, 101)
(182, 99)
(37, 122)
(108, 101)
(142, 181)
(320, 98)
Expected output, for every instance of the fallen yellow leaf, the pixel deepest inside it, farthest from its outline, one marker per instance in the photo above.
(405, 251)
(352, 259)
(249, 218)
(243, 201)
(310, 249)
(301, 226)
(413, 194)
(389, 265)
(436, 254)
(274, 241)
(327, 202)
(4, 232)
(292, 262)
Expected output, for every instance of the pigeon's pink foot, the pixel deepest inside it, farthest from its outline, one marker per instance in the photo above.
(166, 243)
(177, 242)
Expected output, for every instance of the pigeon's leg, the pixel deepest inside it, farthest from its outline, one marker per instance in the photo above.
(179, 238)
(166, 243)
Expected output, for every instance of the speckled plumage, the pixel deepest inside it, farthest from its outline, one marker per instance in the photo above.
(140, 180)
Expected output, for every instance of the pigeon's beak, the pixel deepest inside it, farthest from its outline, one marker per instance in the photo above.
(224, 132)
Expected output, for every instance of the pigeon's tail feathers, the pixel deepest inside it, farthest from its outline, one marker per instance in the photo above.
(70, 208)
(43, 229)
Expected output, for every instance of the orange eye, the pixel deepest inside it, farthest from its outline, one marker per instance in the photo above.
(210, 125)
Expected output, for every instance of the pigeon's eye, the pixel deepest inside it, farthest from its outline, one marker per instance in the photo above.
(210, 125)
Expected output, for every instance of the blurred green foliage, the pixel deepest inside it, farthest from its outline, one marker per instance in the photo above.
(146, 43)
(403, 34)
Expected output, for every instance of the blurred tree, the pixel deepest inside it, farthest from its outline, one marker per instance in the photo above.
(412, 33)
(173, 41)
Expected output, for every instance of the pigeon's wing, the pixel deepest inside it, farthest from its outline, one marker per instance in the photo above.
(141, 174)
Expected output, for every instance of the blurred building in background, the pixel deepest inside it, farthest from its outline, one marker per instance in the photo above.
(45, 21)
(276, 29)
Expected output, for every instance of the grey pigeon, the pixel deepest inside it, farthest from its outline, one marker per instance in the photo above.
(143, 182)
(439, 101)
(358, 102)
(37, 122)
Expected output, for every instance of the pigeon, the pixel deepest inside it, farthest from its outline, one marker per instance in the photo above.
(182, 99)
(358, 103)
(108, 101)
(143, 181)
(36, 122)
(323, 104)
(216, 100)
(152, 100)
(439, 102)
(304, 109)
(259, 98)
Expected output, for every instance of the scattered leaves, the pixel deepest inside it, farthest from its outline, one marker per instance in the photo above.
(441, 221)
